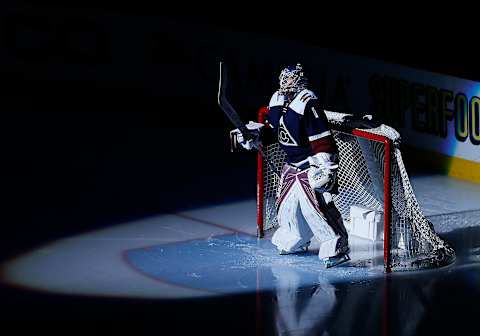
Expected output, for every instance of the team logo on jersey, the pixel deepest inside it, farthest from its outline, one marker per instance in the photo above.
(284, 136)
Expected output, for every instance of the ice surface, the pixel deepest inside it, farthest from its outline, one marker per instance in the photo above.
(212, 251)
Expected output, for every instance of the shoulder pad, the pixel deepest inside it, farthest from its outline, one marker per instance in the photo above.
(303, 97)
(276, 100)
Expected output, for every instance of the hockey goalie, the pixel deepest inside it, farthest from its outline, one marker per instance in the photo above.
(304, 202)
(321, 166)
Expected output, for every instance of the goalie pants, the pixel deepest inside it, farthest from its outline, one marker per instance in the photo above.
(303, 214)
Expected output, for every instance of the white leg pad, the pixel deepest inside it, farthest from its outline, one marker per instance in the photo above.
(293, 231)
(328, 248)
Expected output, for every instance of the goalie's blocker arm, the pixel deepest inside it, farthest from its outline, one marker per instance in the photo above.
(249, 138)
(257, 134)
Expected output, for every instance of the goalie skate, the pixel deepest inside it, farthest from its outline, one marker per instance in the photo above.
(336, 260)
(301, 249)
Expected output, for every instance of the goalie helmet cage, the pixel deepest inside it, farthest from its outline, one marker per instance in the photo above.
(371, 174)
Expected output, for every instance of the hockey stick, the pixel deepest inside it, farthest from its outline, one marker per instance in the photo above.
(234, 117)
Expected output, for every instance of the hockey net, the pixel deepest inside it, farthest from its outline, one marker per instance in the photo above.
(371, 174)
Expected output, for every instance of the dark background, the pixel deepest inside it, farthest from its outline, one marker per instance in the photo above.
(78, 156)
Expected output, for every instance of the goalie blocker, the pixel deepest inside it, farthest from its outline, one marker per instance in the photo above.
(237, 139)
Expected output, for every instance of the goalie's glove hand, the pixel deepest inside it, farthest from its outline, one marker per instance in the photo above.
(251, 140)
(322, 173)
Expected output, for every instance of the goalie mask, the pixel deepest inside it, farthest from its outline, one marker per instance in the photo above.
(292, 80)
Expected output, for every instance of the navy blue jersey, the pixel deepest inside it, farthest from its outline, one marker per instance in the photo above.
(301, 126)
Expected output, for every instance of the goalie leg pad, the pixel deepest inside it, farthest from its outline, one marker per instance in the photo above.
(293, 234)
(333, 218)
